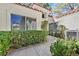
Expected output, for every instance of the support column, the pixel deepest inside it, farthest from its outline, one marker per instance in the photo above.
(25, 23)
(65, 34)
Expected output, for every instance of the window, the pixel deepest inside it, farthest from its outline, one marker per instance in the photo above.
(43, 15)
(22, 23)
(17, 22)
(31, 23)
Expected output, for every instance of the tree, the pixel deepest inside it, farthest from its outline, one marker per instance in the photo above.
(61, 29)
(73, 5)
(46, 5)
(59, 8)
(68, 6)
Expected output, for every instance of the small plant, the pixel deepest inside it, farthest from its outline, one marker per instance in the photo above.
(44, 25)
(65, 48)
(61, 29)
(60, 32)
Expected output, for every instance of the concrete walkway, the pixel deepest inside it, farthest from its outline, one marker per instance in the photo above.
(42, 49)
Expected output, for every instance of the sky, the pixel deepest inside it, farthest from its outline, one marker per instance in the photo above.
(54, 6)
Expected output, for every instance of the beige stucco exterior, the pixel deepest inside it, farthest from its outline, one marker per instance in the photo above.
(70, 21)
(7, 9)
(46, 12)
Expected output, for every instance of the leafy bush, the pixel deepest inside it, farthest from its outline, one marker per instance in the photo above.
(5, 42)
(19, 39)
(65, 48)
(23, 38)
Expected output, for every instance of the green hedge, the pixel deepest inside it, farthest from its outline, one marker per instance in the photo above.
(19, 39)
(65, 48)
(5, 42)
(23, 38)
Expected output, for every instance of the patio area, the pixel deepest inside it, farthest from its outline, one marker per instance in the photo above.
(42, 49)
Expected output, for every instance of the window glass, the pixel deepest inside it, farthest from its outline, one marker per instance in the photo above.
(22, 23)
(17, 22)
(31, 23)
(44, 15)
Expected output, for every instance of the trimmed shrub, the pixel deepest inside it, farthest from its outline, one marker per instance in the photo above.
(23, 38)
(19, 39)
(5, 42)
(65, 48)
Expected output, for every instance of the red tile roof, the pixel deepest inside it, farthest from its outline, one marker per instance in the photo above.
(27, 7)
(31, 7)
(68, 13)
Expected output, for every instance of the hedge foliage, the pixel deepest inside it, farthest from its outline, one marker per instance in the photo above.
(19, 39)
(5, 42)
(65, 48)
(23, 38)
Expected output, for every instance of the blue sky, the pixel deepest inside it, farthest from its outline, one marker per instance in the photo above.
(54, 5)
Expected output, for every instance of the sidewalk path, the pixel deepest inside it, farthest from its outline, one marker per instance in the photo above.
(42, 49)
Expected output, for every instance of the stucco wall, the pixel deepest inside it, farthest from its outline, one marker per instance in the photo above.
(42, 9)
(51, 20)
(46, 12)
(70, 21)
(7, 9)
